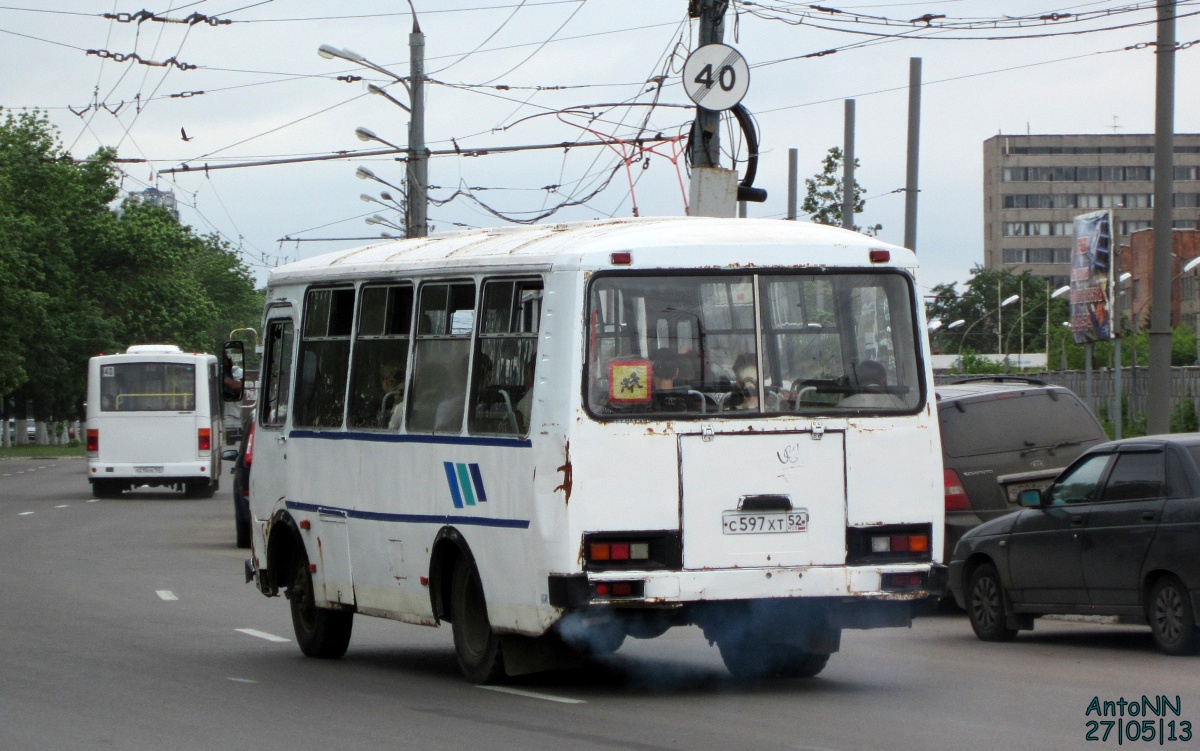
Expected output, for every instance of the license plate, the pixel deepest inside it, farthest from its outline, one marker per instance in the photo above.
(758, 523)
(148, 470)
(1014, 490)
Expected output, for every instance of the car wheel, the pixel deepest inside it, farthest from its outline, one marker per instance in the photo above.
(320, 632)
(1171, 619)
(475, 643)
(985, 605)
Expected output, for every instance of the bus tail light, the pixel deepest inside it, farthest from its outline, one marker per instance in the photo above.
(618, 590)
(204, 439)
(900, 544)
(956, 494)
(902, 581)
(619, 551)
(93, 442)
(893, 543)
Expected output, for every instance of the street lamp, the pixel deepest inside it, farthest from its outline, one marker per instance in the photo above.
(1008, 301)
(1000, 319)
(934, 325)
(417, 172)
(362, 173)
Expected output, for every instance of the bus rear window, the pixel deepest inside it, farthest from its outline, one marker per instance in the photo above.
(737, 344)
(148, 387)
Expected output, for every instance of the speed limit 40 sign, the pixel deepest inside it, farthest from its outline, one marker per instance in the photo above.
(716, 77)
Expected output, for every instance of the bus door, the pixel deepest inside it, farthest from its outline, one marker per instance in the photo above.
(268, 488)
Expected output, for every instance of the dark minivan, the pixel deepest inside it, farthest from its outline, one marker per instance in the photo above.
(1002, 435)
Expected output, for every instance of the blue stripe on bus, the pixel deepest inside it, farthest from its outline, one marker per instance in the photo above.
(339, 435)
(379, 516)
(452, 481)
(477, 477)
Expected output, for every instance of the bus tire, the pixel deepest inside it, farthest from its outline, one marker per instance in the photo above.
(106, 489)
(746, 658)
(320, 632)
(803, 664)
(199, 489)
(475, 643)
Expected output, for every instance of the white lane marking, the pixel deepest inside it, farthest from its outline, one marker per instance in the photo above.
(166, 594)
(241, 680)
(93, 500)
(262, 634)
(25, 513)
(65, 505)
(532, 695)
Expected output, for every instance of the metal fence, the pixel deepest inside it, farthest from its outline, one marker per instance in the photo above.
(1185, 387)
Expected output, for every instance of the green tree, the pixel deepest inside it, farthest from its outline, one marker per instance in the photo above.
(824, 196)
(78, 277)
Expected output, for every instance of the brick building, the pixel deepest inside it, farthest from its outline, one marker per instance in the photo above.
(1138, 259)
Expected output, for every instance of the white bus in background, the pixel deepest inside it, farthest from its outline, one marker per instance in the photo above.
(556, 437)
(153, 418)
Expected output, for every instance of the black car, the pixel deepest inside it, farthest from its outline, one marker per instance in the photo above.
(242, 458)
(1002, 435)
(1115, 534)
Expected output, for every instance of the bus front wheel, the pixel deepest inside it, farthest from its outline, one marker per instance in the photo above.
(477, 646)
(320, 632)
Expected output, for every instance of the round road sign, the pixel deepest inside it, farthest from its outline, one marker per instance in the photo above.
(716, 77)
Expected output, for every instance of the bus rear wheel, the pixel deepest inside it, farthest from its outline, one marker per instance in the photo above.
(107, 488)
(749, 658)
(199, 489)
(320, 632)
(475, 643)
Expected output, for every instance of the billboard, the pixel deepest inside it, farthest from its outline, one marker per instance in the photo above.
(1091, 277)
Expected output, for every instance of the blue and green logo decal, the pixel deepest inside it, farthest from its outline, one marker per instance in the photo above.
(466, 484)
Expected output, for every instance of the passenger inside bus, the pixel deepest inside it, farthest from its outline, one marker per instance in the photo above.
(871, 377)
(666, 371)
(391, 407)
(745, 391)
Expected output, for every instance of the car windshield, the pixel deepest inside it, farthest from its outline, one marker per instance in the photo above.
(737, 344)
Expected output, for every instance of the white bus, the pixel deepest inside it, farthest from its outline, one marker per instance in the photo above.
(561, 436)
(153, 418)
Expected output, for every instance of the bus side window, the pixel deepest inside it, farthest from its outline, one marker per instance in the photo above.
(505, 356)
(324, 358)
(441, 356)
(277, 369)
(379, 374)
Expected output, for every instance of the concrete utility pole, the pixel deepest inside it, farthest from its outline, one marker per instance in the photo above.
(1158, 396)
(418, 156)
(848, 191)
(794, 187)
(706, 141)
(914, 149)
(713, 190)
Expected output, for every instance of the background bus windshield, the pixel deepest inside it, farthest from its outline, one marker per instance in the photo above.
(737, 344)
(148, 387)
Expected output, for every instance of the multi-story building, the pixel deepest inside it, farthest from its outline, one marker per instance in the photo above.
(1034, 187)
(156, 197)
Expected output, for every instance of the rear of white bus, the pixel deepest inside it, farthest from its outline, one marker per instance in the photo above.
(153, 418)
(760, 458)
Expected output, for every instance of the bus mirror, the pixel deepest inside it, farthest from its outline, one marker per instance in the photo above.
(233, 369)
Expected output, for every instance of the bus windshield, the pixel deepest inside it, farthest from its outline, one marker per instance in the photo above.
(148, 387)
(735, 344)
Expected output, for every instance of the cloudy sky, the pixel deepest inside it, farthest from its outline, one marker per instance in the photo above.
(507, 73)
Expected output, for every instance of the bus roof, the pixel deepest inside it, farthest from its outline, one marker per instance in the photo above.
(654, 242)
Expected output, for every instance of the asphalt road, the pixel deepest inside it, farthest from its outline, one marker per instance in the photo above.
(127, 625)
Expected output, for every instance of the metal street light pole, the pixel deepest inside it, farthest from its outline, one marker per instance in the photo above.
(418, 158)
